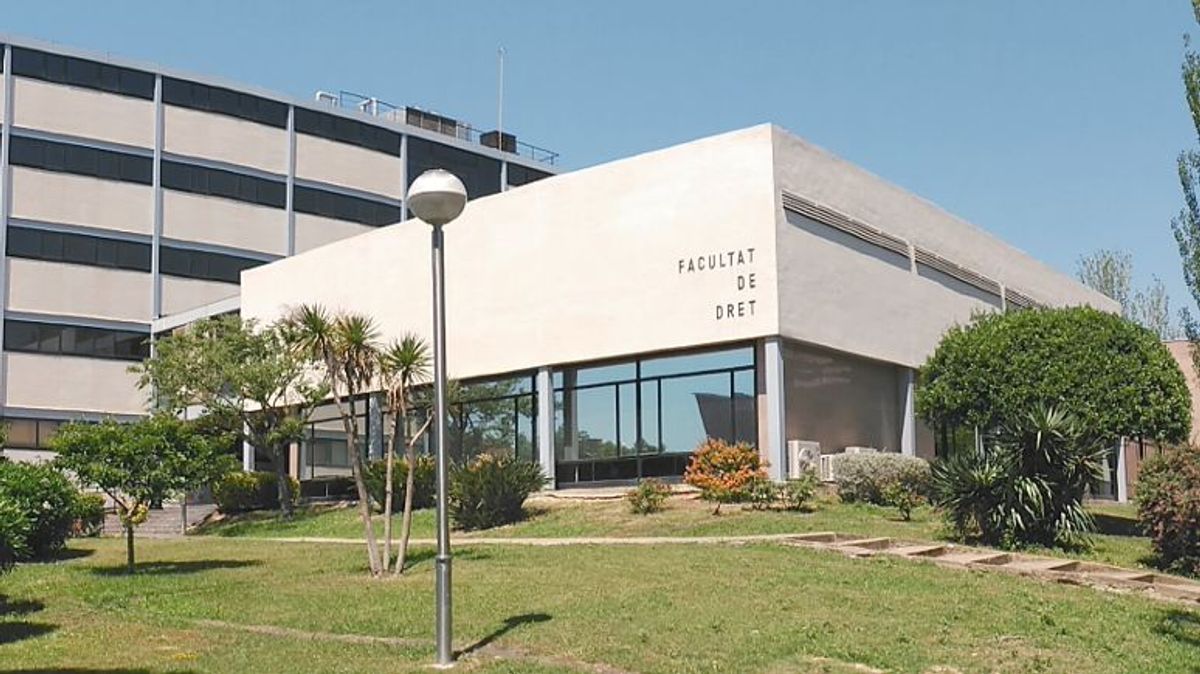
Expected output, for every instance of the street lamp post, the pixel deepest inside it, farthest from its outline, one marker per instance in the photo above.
(437, 197)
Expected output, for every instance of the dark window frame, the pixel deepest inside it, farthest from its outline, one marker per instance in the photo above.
(82, 160)
(204, 265)
(32, 243)
(213, 182)
(349, 131)
(222, 101)
(63, 339)
(326, 204)
(85, 73)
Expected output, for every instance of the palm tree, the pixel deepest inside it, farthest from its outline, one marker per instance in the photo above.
(345, 347)
(403, 363)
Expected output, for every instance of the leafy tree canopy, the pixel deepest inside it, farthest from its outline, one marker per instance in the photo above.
(1112, 375)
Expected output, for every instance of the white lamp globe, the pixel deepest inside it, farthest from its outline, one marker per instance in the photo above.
(437, 196)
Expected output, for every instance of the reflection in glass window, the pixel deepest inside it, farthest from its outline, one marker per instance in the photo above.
(644, 417)
(496, 417)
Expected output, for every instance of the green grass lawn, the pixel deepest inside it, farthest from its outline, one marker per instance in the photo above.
(668, 609)
(688, 516)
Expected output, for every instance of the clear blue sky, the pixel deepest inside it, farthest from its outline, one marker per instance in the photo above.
(1053, 124)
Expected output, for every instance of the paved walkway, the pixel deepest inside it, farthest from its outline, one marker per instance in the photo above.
(1154, 585)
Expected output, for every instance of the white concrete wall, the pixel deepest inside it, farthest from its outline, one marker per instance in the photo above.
(79, 200)
(348, 165)
(576, 267)
(223, 138)
(77, 290)
(60, 382)
(181, 294)
(83, 112)
(833, 296)
(225, 222)
(313, 231)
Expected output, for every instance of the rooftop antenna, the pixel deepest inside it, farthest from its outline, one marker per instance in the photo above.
(500, 113)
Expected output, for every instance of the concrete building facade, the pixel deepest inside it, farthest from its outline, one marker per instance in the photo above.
(133, 196)
(747, 286)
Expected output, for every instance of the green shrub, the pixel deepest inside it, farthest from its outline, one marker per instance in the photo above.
(14, 532)
(424, 483)
(796, 493)
(491, 491)
(762, 493)
(1168, 496)
(46, 498)
(240, 492)
(648, 496)
(1027, 488)
(89, 515)
(904, 495)
(865, 477)
(725, 473)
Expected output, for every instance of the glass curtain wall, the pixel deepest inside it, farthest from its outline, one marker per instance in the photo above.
(323, 452)
(643, 417)
(494, 416)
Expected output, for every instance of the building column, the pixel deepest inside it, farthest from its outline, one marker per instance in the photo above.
(545, 423)
(1122, 486)
(375, 426)
(908, 411)
(294, 460)
(247, 457)
(773, 388)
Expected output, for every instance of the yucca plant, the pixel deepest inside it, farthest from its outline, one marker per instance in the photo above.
(1027, 487)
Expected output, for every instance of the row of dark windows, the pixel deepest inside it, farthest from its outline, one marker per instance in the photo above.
(479, 174)
(221, 183)
(82, 73)
(40, 244)
(345, 130)
(80, 160)
(224, 102)
(97, 251)
(204, 265)
(75, 340)
(345, 207)
(518, 175)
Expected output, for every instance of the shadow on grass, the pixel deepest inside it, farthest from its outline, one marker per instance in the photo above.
(418, 556)
(1182, 626)
(89, 670)
(14, 607)
(11, 632)
(1115, 525)
(509, 625)
(67, 554)
(176, 568)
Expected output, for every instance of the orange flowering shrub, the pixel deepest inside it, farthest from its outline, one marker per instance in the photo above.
(724, 473)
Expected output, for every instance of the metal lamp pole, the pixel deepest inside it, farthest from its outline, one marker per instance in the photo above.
(438, 197)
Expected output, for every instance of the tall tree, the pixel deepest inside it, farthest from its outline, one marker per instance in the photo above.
(344, 348)
(1186, 225)
(141, 463)
(240, 377)
(404, 363)
(1111, 272)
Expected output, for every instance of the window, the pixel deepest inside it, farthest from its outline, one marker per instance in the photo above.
(82, 73)
(224, 102)
(221, 183)
(496, 416)
(40, 244)
(30, 433)
(480, 175)
(345, 207)
(204, 265)
(518, 175)
(80, 160)
(643, 418)
(343, 130)
(75, 340)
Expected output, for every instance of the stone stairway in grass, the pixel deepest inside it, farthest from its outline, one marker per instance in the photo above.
(162, 523)
(1154, 585)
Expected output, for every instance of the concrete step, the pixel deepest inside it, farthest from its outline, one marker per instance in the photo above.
(162, 523)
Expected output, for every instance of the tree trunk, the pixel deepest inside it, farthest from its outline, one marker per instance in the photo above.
(387, 494)
(284, 485)
(360, 484)
(410, 455)
(129, 544)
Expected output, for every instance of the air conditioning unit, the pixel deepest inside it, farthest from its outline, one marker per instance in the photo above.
(802, 457)
(825, 468)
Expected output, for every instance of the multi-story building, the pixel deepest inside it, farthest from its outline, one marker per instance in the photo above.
(131, 194)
